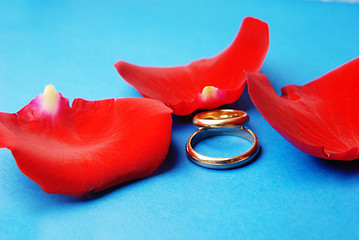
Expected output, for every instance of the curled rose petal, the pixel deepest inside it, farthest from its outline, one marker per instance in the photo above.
(320, 118)
(206, 83)
(90, 146)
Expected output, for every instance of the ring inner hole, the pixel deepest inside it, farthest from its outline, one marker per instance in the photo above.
(222, 146)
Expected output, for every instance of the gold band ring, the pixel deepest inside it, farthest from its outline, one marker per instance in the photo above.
(214, 130)
(220, 118)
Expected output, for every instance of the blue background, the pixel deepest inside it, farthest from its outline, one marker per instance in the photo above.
(284, 194)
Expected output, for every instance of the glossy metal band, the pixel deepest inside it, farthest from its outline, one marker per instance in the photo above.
(220, 118)
(222, 163)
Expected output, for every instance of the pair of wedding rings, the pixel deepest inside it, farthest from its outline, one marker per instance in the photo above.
(221, 122)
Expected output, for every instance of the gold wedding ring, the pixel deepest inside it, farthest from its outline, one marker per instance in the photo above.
(221, 122)
(220, 118)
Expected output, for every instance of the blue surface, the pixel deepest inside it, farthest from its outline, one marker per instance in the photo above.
(284, 194)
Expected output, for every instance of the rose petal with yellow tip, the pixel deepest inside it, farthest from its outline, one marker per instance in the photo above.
(206, 83)
(90, 146)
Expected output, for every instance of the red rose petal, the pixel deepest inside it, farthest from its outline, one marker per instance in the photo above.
(90, 146)
(184, 88)
(320, 118)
